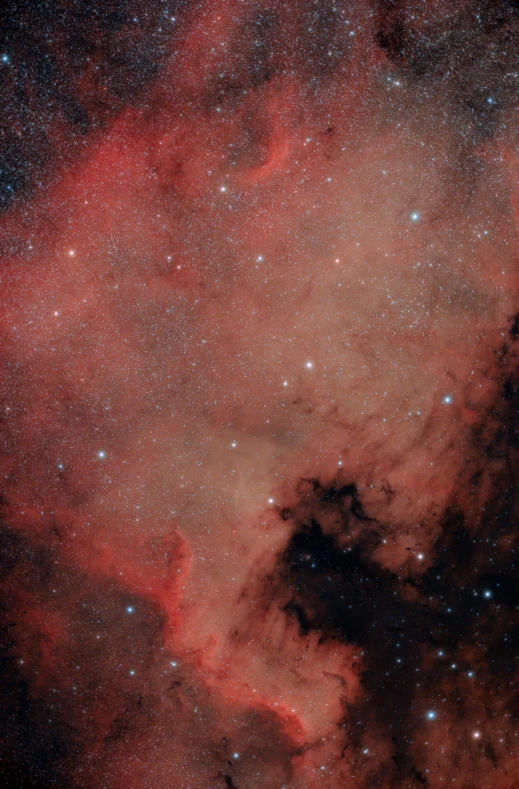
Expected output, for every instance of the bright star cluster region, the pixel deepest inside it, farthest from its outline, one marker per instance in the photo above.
(259, 394)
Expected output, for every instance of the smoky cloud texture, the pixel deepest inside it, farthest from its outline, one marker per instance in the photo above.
(259, 395)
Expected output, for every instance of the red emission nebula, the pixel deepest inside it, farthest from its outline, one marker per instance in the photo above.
(259, 394)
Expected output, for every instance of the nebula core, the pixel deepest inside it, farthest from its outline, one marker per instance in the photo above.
(259, 394)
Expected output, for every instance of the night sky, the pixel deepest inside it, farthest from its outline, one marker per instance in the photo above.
(259, 394)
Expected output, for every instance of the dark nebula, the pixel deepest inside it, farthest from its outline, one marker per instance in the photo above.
(259, 394)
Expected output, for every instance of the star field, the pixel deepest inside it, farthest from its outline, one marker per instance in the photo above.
(259, 394)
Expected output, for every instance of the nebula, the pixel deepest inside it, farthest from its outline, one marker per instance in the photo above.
(259, 395)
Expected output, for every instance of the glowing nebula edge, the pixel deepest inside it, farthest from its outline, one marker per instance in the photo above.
(259, 394)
